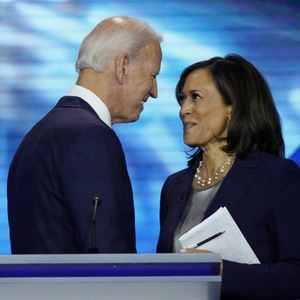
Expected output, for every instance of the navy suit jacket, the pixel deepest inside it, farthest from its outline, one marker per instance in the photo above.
(262, 193)
(67, 159)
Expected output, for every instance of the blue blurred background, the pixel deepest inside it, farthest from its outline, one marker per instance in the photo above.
(39, 41)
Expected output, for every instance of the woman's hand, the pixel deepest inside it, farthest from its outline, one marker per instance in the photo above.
(192, 250)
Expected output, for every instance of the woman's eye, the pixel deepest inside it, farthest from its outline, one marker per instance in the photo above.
(196, 96)
(181, 99)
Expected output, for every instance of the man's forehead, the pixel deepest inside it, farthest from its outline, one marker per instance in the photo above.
(151, 50)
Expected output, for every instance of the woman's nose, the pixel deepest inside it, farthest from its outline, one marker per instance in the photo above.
(186, 107)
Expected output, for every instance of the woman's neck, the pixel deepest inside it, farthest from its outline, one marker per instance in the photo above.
(213, 159)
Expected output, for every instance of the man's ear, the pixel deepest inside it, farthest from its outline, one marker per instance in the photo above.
(121, 67)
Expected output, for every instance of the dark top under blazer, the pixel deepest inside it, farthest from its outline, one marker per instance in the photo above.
(66, 159)
(262, 193)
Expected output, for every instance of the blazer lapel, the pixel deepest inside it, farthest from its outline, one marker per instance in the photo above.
(184, 185)
(236, 183)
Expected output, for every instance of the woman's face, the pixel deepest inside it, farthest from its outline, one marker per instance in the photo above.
(203, 112)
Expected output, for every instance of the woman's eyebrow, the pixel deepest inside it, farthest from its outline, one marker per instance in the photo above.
(199, 91)
(202, 91)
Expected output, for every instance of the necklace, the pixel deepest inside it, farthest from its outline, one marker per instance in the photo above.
(216, 177)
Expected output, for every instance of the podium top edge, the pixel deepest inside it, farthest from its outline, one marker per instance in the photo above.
(110, 258)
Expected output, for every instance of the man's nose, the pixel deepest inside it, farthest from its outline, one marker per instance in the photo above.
(153, 91)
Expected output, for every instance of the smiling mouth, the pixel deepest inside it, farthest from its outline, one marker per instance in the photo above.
(143, 102)
(142, 105)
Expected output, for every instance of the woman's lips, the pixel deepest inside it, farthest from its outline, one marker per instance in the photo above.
(188, 125)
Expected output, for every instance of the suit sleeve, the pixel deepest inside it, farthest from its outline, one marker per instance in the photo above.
(280, 280)
(93, 166)
(163, 203)
(163, 243)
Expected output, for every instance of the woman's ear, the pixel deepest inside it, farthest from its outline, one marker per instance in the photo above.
(229, 110)
(121, 67)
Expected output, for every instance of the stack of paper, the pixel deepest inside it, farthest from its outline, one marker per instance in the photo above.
(232, 244)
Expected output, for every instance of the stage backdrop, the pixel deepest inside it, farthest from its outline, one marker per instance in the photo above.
(38, 48)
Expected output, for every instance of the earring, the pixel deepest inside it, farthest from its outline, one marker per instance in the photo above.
(229, 117)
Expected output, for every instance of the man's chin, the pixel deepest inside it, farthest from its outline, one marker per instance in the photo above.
(134, 118)
(127, 119)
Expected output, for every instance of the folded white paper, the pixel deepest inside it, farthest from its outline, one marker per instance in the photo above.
(232, 244)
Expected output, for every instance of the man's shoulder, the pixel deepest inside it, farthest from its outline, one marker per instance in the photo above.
(71, 109)
(71, 115)
(64, 126)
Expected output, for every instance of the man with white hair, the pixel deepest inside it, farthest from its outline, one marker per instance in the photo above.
(68, 185)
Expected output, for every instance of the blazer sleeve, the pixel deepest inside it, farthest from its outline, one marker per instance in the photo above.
(94, 165)
(279, 280)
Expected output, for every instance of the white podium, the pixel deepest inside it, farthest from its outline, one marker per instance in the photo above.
(110, 276)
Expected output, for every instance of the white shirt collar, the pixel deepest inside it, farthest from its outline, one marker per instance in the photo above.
(93, 100)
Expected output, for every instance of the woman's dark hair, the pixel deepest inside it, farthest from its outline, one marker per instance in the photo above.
(255, 122)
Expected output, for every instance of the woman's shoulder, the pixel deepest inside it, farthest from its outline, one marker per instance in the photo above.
(179, 177)
(277, 165)
(271, 160)
(179, 174)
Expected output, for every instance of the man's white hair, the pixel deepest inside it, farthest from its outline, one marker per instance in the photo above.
(112, 37)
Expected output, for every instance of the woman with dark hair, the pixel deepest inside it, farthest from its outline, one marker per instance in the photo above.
(229, 116)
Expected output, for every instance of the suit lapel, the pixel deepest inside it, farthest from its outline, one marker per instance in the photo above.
(236, 183)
